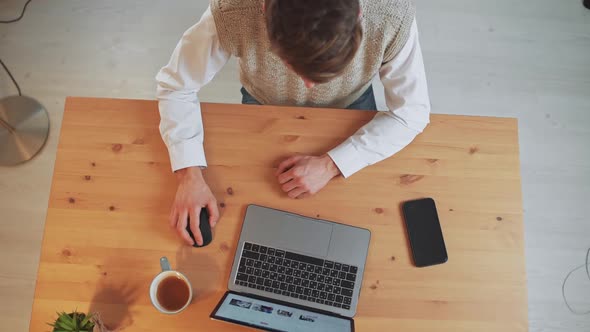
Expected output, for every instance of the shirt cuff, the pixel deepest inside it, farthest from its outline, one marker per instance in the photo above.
(347, 159)
(185, 154)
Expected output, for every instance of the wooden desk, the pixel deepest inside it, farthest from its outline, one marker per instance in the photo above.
(112, 188)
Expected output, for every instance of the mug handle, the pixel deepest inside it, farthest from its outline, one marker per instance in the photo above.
(164, 264)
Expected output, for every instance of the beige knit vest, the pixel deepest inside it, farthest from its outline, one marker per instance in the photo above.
(242, 32)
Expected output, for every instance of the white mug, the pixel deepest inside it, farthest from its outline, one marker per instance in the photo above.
(167, 272)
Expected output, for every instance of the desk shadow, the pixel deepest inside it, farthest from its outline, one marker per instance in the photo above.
(201, 269)
(111, 302)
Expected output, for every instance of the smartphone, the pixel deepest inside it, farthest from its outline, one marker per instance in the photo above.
(424, 231)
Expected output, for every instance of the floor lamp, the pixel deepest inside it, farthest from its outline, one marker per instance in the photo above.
(24, 128)
(24, 122)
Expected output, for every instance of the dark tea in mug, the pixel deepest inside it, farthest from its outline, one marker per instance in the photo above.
(173, 293)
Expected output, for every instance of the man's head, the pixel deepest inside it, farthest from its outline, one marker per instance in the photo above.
(317, 39)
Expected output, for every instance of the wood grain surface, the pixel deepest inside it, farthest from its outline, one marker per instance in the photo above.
(112, 187)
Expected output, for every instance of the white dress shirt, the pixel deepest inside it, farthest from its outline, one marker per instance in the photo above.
(199, 56)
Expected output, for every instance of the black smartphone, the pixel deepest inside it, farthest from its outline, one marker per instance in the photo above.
(424, 232)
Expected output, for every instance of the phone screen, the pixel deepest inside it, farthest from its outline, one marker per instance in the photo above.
(424, 232)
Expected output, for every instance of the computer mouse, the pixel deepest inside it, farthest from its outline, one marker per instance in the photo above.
(205, 228)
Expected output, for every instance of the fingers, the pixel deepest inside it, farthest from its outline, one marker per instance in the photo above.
(290, 185)
(173, 218)
(194, 224)
(213, 212)
(181, 228)
(304, 195)
(287, 176)
(288, 163)
(297, 192)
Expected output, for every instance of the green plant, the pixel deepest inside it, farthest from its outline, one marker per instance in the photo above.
(73, 322)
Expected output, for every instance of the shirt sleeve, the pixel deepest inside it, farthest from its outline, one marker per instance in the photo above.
(198, 56)
(406, 95)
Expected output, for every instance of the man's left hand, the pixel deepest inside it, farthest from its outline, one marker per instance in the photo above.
(301, 176)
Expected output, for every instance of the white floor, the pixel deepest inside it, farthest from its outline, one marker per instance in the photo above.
(528, 59)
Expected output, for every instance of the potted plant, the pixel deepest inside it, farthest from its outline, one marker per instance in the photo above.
(73, 322)
(77, 322)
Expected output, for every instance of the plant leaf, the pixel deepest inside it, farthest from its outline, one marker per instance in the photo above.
(67, 319)
(61, 325)
(76, 320)
(85, 320)
(64, 319)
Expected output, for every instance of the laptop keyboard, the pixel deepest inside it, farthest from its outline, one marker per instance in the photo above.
(302, 277)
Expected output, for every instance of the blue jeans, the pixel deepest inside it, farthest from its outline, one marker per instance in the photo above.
(365, 102)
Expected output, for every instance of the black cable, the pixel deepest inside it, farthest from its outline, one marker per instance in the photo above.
(2, 62)
(587, 267)
(21, 14)
(11, 77)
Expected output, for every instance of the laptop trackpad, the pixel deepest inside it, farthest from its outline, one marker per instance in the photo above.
(299, 234)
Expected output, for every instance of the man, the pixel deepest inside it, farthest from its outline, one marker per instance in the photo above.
(313, 53)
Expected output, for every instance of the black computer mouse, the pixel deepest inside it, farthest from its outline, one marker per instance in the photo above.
(205, 228)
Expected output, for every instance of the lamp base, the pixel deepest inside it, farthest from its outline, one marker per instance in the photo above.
(24, 128)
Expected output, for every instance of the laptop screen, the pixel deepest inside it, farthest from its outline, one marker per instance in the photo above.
(269, 316)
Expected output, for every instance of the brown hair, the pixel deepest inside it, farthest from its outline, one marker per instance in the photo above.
(316, 38)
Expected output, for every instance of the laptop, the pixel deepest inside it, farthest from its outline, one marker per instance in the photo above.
(294, 273)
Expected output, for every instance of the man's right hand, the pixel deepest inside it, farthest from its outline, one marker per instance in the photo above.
(193, 194)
